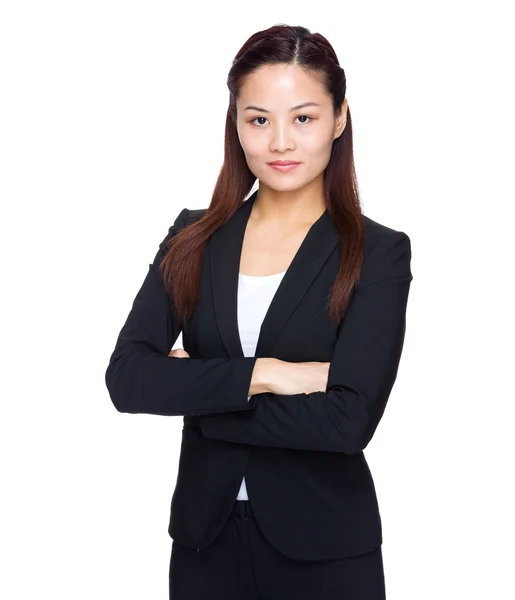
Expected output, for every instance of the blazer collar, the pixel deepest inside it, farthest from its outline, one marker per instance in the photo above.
(225, 253)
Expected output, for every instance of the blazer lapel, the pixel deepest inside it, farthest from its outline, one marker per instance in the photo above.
(224, 252)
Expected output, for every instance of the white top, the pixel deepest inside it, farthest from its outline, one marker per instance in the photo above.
(254, 296)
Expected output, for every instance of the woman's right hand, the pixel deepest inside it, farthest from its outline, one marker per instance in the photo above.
(288, 378)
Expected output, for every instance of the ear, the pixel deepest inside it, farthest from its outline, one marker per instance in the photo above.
(341, 120)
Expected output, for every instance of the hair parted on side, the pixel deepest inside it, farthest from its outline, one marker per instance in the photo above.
(290, 45)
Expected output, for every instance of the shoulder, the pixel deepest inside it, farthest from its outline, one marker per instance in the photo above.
(375, 231)
(186, 217)
(387, 254)
(193, 215)
(378, 234)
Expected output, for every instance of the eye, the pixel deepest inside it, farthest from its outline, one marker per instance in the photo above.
(257, 119)
(300, 116)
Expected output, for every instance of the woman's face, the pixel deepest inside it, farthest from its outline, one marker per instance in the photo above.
(271, 130)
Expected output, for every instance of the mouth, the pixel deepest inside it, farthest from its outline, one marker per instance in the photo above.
(284, 165)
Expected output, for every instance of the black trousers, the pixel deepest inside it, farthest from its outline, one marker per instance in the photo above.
(242, 565)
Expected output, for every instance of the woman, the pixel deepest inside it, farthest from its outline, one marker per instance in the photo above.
(292, 306)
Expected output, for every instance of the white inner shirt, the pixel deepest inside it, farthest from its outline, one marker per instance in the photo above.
(254, 296)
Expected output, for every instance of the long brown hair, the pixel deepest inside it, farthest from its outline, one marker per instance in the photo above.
(280, 44)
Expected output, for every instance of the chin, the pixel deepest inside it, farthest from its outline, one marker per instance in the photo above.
(285, 186)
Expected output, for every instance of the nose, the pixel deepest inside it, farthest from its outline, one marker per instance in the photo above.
(281, 138)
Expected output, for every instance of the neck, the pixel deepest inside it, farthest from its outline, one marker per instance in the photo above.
(294, 207)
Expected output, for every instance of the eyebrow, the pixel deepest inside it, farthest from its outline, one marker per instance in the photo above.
(250, 107)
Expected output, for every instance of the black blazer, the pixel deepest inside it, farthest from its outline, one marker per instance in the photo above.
(311, 490)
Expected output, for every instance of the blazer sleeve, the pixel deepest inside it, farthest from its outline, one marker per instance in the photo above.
(142, 378)
(362, 370)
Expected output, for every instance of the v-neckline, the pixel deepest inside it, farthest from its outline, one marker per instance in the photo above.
(225, 251)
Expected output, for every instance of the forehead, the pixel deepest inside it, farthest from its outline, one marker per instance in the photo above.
(280, 86)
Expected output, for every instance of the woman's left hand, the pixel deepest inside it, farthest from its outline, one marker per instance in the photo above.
(179, 353)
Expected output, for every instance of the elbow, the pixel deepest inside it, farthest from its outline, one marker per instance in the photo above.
(119, 394)
(117, 399)
(347, 442)
(119, 403)
(353, 425)
(353, 441)
(354, 445)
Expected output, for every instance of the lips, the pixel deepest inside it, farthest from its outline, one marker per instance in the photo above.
(284, 163)
(284, 166)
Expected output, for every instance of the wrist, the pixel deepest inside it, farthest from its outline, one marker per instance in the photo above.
(264, 375)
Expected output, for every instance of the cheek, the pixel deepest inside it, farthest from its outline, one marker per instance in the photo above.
(248, 143)
(318, 144)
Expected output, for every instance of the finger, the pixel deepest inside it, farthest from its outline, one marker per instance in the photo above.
(179, 353)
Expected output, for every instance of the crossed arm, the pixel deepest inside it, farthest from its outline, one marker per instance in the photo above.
(142, 378)
(362, 371)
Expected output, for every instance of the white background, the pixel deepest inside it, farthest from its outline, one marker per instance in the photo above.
(111, 121)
